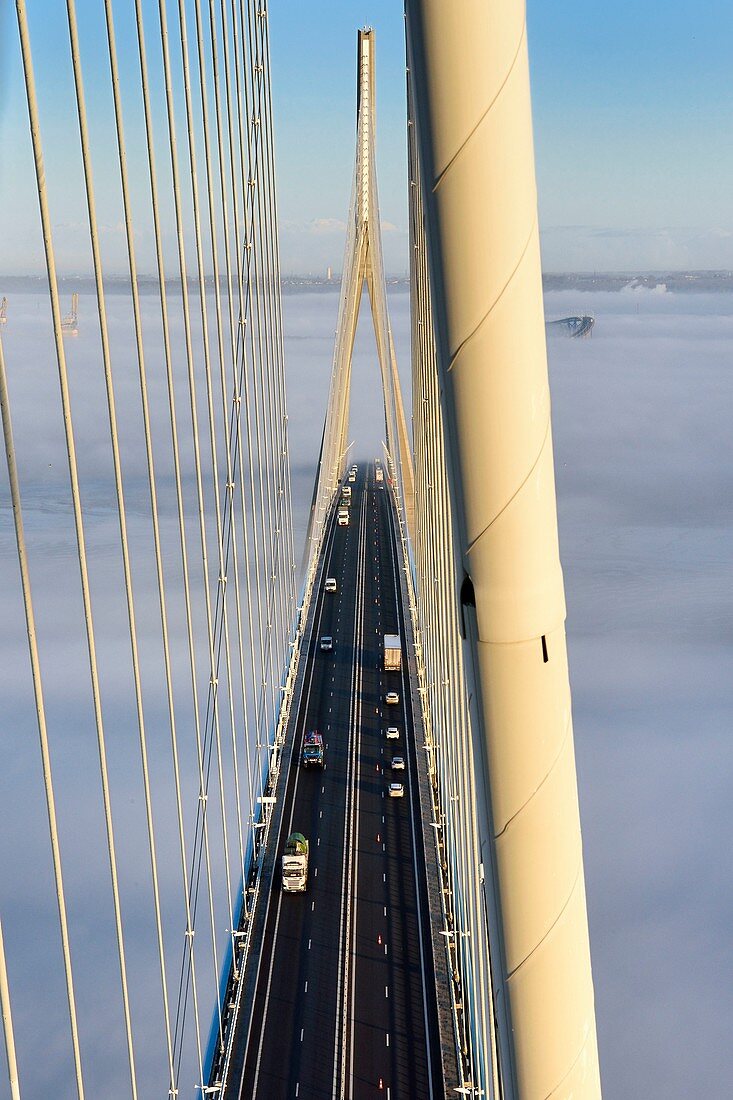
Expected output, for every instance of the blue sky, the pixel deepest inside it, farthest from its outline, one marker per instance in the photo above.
(633, 105)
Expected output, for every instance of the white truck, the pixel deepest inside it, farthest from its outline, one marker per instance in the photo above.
(392, 653)
(295, 864)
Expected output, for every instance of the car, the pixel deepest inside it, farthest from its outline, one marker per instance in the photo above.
(392, 733)
(326, 643)
(391, 698)
(396, 790)
(398, 763)
(330, 585)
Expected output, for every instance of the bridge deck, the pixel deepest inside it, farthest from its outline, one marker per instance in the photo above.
(342, 982)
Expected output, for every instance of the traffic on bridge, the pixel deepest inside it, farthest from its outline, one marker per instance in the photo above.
(339, 988)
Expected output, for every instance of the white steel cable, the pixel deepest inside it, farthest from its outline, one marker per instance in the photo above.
(274, 222)
(114, 438)
(41, 720)
(220, 518)
(8, 1018)
(243, 261)
(78, 519)
(230, 449)
(202, 814)
(268, 231)
(248, 174)
(189, 948)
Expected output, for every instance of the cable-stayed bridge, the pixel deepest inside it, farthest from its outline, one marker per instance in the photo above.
(439, 946)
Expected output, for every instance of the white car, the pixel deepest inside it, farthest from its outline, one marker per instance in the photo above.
(392, 733)
(326, 643)
(396, 790)
(330, 585)
(391, 698)
(398, 763)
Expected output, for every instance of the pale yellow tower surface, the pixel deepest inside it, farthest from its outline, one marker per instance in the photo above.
(470, 74)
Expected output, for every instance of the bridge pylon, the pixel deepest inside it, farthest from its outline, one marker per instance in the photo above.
(469, 82)
(363, 265)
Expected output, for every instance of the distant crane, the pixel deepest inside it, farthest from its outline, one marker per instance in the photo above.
(572, 326)
(4, 312)
(69, 323)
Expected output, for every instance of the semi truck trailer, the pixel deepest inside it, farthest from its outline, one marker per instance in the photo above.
(392, 653)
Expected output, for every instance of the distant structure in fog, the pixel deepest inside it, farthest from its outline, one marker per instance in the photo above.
(70, 323)
(572, 326)
(4, 312)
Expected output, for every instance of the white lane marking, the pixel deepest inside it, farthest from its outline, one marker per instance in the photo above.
(301, 717)
(405, 684)
(346, 861)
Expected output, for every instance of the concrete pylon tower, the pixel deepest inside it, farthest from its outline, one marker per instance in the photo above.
(363, 263)
(469, 76)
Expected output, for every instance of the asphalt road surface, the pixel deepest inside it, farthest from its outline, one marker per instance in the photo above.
(345, 1001)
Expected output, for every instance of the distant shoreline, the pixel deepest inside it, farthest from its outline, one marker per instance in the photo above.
(679, 282)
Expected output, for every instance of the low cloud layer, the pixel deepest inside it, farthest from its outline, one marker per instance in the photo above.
(643, 454)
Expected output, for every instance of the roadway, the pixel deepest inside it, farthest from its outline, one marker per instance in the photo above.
(345, 996)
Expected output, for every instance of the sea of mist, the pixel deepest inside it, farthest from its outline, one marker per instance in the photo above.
(642, 417)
